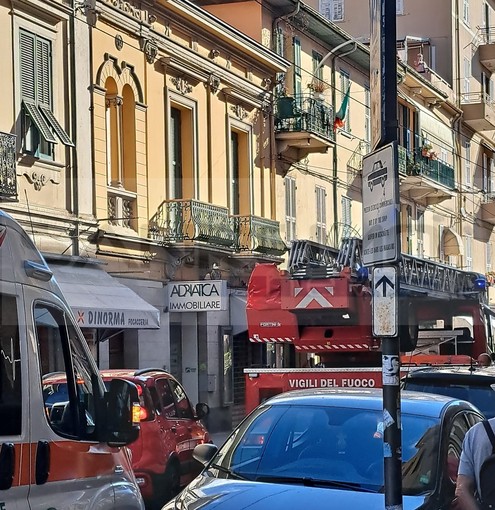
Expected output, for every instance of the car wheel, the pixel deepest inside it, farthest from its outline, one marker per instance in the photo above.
(165, 486)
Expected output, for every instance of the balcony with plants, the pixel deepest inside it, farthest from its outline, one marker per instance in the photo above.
(8, 176)
(426, 179)
(304, 122)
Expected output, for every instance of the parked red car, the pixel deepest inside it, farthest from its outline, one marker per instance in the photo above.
(170, 429)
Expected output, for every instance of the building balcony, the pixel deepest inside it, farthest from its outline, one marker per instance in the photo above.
(183, 220)
(8, 177)
(122, 208)
(258, 235)
(304, 124)
(479, 111)
(486, 47)
(488, 208)
(426, 181)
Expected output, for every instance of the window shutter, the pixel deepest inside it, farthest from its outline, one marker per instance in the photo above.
(326, 8)
(399, 7)
(492, 175)
(338, 10)
(27, 45)
(467, 163)
(43, 72)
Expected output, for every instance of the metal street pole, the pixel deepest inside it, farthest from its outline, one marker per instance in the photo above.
(383, 81)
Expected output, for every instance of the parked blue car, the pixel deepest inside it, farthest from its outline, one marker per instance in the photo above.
(323, 449)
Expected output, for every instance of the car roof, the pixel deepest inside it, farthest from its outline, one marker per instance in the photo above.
(129, 373)
(412, 402)
(471, 374)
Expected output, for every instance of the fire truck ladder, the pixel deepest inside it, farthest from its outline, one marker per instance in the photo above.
(308, 259)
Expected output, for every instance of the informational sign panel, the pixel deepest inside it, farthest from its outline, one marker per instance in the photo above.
(197, 296)
(385, 302)
(381, 243)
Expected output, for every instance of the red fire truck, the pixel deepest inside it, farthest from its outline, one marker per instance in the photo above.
(321, 305)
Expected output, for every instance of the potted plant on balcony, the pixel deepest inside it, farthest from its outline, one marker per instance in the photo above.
(427, 151)
(318, 87)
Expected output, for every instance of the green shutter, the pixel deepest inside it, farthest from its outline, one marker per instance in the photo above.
(43, 72)
(27, 63)
(39, 121)
(176, 152)
(57, 128)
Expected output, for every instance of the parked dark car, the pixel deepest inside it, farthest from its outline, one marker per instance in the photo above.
(474, 384)
(323, 449)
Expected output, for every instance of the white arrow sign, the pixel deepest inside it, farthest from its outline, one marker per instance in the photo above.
(385, 302)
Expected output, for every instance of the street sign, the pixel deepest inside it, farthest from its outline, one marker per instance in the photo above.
(385, 302)
(381, 243)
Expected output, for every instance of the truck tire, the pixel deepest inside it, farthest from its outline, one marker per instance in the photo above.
(408, 327)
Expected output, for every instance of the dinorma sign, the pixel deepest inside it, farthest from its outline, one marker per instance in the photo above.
(197, 296)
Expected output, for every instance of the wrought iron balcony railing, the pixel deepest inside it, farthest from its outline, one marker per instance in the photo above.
(181, 220)
(413, 163)
(304, 112)
(257, 234)
(8, 178)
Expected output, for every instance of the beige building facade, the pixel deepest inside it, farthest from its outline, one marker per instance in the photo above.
(453, 49)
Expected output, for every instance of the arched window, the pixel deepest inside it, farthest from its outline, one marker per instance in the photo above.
(121, 155)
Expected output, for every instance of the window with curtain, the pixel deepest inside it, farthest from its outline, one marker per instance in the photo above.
(40, 129)
(321, 214)
(290, 208)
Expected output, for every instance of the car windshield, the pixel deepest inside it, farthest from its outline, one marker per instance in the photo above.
(481, 396)
(320, 445)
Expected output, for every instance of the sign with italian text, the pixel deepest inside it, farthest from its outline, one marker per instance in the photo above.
(197, 296)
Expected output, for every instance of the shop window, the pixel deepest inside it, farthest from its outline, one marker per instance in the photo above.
(40, 128)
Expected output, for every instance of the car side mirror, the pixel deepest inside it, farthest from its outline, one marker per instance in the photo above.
(203, 453)
(202, 410)
(122, 413)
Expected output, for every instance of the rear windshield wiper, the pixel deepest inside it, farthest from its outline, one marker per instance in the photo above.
(314, 482)
(228, 471)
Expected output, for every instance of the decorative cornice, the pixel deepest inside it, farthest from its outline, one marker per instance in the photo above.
(214, 83)
(150, 49)
(129, 8)
(239, 111)
(181, 84)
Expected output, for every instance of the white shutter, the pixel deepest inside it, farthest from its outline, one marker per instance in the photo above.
(399, 7)
(321, 214)
(338, 10)
(468, 241)
(467, 163)
(491, 180)
(467, 74)
(290, 208)
(488, 257)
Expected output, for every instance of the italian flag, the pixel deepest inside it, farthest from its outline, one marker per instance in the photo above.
(340, 115)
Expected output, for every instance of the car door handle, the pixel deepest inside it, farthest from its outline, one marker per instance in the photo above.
(7, 466)
(42, 462)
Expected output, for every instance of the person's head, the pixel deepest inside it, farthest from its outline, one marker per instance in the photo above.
(484, 360)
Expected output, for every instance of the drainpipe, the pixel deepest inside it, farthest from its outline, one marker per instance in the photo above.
(73, 151)
(335, 159)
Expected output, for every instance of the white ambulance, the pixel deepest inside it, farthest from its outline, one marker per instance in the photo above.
(55, 453)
